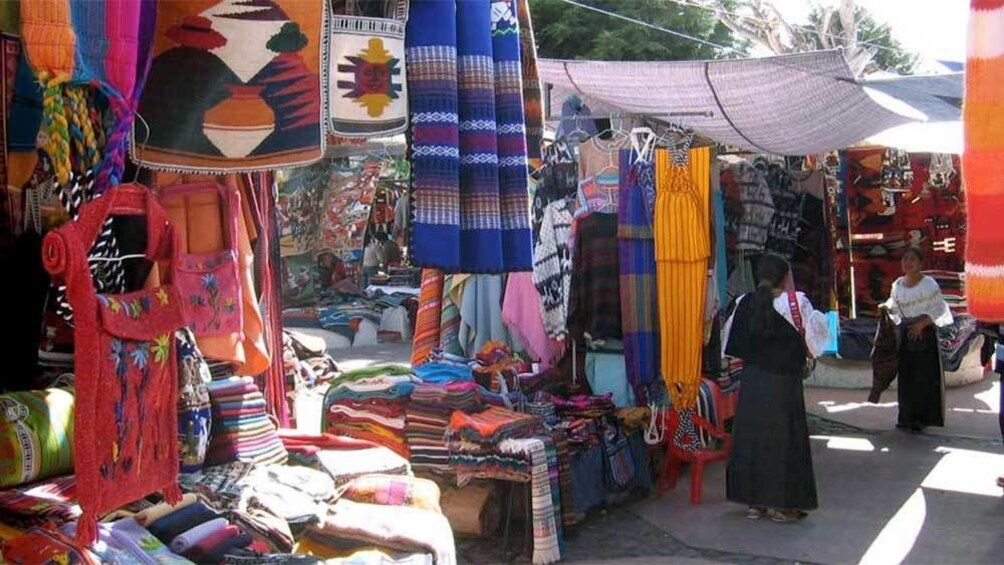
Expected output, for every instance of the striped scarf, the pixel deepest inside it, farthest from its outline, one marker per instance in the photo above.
(983, 160)
(427, 321)
(639, 316)
(546, 529)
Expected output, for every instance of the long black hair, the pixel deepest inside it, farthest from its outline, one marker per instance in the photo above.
(771, 272)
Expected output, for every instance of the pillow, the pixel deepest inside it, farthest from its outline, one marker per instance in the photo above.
(36, 435)
(394, 490)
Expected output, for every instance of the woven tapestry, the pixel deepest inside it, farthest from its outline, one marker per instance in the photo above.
(235, 86)
(366, 87)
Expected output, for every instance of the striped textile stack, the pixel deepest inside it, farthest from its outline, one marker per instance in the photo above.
(428, 417)
(983, 160)
(242, 430)
(370, 404)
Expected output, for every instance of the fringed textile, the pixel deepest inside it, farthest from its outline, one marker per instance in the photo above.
(427, 321)
(546, 537)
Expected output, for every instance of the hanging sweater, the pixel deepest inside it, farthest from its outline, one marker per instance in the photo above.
(758, 208)
(552, 267)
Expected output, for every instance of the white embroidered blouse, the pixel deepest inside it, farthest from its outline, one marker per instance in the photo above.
(923, 299)
(817, 330)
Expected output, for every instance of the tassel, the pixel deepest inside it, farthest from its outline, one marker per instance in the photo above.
(172, 494)
(87, 530)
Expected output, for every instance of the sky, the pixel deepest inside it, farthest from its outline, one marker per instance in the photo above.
(934, 28)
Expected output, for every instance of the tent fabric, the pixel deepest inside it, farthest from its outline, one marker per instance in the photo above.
(787, 105)
(938, 98)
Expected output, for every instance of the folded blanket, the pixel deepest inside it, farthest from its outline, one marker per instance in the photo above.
(158, 511)
(175, 523)
(396, 527)
(492, 425)
(345, 465)
(394, 490)
(209, 544)
(186, 540)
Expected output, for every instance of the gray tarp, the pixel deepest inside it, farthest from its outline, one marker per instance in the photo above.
(790, 105)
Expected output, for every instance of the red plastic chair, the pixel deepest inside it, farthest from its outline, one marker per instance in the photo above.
(725, 404)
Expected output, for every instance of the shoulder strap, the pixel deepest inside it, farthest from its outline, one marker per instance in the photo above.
(796, 312)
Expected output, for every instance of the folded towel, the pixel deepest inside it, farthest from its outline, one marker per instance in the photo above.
(158, 511)
(186, 540)
(207, 545)
(170, 526)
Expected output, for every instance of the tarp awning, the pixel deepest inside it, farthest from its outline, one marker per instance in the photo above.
(788, 105)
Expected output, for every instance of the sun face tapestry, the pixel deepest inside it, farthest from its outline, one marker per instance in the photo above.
(367, 84)
(235, 86)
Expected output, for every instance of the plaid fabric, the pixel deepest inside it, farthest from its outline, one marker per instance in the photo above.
(532, 109)
(431, 57)
(595, 302)
(639, 316)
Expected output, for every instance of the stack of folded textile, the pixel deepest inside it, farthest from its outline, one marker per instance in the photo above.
(473, 440)
(428, 417)
(242, 430)
(194, 530)
(370, 404)
(583, 418)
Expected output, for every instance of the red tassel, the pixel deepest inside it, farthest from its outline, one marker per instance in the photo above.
(172, 495)
(87, 530)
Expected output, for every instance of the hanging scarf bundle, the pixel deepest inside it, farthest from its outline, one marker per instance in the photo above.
(125, 425)
(983, 160)
(469, 138)
(532, 106)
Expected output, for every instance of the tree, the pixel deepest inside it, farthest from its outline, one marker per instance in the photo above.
(869, 45)
(566, 31)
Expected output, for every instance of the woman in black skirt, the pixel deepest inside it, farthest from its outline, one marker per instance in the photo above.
(773, 331)
(916, 306)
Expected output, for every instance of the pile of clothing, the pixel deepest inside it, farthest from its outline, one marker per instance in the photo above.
(473, 440)
(242, 429)
(427, 419)
(370, 404)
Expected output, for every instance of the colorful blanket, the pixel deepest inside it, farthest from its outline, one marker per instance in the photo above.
(546, 527)
(394, 490)
(251, 77)
(492, 425)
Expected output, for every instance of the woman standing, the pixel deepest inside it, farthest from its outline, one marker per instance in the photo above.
(916, 307)
(773, 331)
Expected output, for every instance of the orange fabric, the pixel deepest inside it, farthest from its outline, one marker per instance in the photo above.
(48, 37)
(199, 223)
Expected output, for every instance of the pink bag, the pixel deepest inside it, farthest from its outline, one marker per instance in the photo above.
(208, 282)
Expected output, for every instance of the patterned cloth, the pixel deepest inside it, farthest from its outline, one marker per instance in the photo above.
(428, 320)
(468, 150)
(532, 108)
(37, 503)
(594, 306)
(639, 316)
(552, 268)
(546, 528)
(394, 490)
(981, 162)
(491, 425)
(36, 435)
(251, 74)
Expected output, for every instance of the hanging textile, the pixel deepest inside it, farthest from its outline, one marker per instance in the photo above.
(532, 106)
(552, 267)
(481, 314)
(125, 365)
(250, 78)
(636, 246)
(428, 318)
(681, 251)
(594, 305)
(521, 313)
(366, 96)
(468, 137)
(10, 226)
(983, 160)
(449, 320)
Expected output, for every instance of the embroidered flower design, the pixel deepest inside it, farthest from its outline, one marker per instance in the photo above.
(161, 348)
(209, 282)
(162, 297)
(144, 303)
(135, 308)
(115, 306)
(140, 356)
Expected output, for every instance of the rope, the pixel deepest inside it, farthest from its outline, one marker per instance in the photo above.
(56, 142)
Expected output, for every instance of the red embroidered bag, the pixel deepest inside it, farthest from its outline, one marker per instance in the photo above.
(125, 426)
(208, 282)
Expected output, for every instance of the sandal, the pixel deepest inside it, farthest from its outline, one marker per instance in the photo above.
(786, 516)
(755, 512)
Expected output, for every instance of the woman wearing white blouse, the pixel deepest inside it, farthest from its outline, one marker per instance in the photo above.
(917, 308)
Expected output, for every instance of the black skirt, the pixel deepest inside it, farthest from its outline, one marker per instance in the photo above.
(921, 391)
(771, 460)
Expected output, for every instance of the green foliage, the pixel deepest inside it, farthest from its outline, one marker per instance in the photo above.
(565, 31)
(891, 56)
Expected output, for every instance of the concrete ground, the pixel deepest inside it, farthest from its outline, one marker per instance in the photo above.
(885, 496)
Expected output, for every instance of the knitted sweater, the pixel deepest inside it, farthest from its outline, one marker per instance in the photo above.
(552, 267)
(983, 160)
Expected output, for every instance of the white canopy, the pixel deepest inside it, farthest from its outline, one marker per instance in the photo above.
(789, 105)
